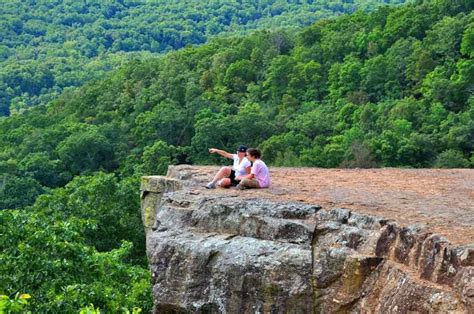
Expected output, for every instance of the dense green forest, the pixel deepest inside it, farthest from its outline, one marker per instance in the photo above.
(388, 88)
(47, 46)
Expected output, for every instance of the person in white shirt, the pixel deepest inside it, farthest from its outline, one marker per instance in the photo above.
(227, 176)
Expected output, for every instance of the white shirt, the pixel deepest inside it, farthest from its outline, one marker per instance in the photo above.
(240, 168)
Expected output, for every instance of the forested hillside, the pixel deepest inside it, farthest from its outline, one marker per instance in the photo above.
(48, 46)
(390, 88)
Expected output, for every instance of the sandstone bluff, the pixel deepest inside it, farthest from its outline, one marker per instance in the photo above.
(233, 251)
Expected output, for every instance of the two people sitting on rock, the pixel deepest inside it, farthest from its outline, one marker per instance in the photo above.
(226, 176)
(242, 174)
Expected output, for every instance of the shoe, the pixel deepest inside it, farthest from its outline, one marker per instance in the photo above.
(210, 186)
(240, 187)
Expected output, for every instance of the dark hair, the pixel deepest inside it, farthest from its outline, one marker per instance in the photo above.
(254, 152)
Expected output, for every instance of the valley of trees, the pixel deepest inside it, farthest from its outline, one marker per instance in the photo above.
(392, 88)
(48, 46)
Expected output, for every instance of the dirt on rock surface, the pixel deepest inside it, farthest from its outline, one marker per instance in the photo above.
(442, 199)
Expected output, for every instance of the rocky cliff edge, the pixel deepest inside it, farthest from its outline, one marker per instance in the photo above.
(230, 251)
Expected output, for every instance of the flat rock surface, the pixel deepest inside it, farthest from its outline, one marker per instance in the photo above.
(442, 199)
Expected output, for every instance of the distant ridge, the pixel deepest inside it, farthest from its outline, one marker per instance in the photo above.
(49, 46)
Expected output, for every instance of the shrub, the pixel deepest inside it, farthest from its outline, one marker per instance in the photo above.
(451, 159)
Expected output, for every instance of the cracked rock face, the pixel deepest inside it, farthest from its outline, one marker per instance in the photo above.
(237, 254)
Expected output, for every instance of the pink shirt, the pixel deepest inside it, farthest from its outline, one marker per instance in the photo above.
(260, 170)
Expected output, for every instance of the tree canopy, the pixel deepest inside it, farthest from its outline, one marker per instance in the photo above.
(49, 46)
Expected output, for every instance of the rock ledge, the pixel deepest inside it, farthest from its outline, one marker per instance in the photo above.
(234, 253)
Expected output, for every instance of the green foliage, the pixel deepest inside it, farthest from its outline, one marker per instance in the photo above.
(157, 158)
(90, 309)
(41, 168)
(14, 305)
(165, 122)
(79, 242)
(451, 159)
(467, 44)
(46, 49)
(18, 192)
(211, 130)
(86, 149)
(276, 147)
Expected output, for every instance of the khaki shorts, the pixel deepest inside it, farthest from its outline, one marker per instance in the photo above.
(250, 183)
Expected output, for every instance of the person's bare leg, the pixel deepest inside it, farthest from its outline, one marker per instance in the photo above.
(225, 183)
(224, 172)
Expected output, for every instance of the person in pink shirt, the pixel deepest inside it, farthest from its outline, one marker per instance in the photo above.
(259, 176)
